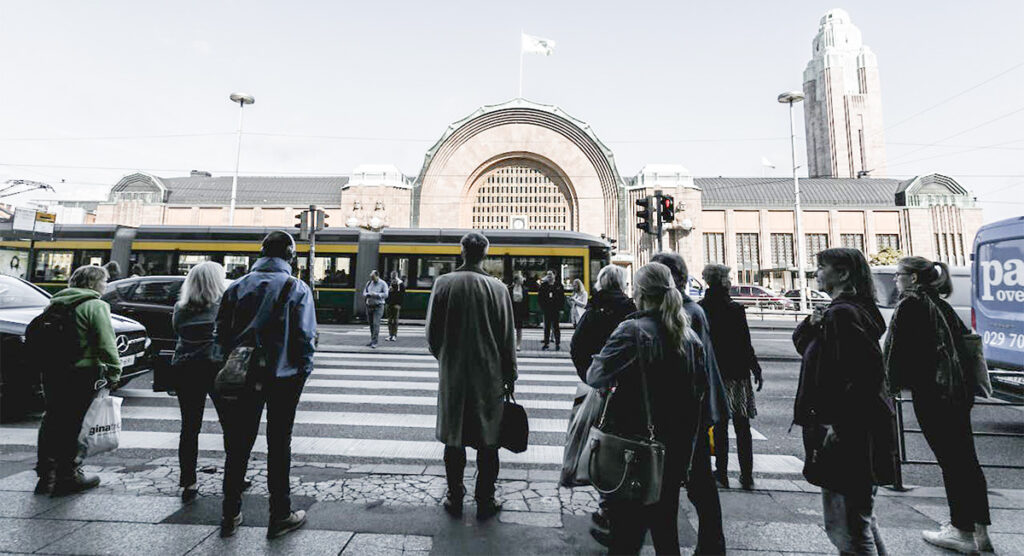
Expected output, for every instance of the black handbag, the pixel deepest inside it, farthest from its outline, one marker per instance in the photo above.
(626, 467)
(247, 366)
(515, 428)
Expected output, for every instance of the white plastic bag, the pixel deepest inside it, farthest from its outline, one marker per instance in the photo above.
(101, 428)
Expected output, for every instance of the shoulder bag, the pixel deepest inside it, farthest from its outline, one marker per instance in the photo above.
(514, 433)
(626, 467)
(247, 365)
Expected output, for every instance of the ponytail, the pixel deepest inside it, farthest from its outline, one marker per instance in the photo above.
(654, 282)
(931, 274)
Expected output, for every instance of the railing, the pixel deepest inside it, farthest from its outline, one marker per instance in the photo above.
(903, 430)
(782, 314)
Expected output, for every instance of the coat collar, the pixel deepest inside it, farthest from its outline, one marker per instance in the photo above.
(271, 264)
(476, 269)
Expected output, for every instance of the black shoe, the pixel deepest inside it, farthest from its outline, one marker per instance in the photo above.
(558, 347)
(600, 519)
(722, 479)
(45, 484)
(545, 346)
(77, 482)
(229, 525)
(284, 526)
(486, 509)
(600, 536)
(747, 482)
(189, 494)
(453, 502)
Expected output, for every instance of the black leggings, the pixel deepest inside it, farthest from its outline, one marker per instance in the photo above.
(194, 382)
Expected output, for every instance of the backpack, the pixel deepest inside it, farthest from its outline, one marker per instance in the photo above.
(51, 339)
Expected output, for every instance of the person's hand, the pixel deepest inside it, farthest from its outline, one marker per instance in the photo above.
(759, 381)
(510, 388)
(817, 315)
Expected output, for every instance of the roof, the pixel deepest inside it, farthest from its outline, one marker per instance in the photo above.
(814, 192)
(200, 189)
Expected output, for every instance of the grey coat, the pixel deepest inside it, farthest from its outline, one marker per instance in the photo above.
(470, 332)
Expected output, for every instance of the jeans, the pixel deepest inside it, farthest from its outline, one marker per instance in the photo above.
(947, 429)
(241, 421)
(850, 522)
(486, 466)
(744, 446)
(703, 494)
(630, 520)
(393, 311)
(68, 393)
(373, 316)
(551, 328)
(194, 381)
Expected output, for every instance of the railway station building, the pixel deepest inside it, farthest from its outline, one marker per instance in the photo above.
(524, 165)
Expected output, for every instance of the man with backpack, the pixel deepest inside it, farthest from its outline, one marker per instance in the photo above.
(72, 341)
(272, 314)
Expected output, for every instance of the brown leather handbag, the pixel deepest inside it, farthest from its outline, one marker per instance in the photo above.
(626, 467)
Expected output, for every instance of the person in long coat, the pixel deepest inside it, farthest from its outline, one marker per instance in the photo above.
(470, 331)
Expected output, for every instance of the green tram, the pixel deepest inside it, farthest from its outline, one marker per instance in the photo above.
(343, 261)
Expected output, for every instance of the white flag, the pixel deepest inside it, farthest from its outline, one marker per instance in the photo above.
(767, 163)
(537, 45)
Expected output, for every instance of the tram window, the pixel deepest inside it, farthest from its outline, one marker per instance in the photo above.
(340, 272)
(495, 266)
(395, 263)
(533, 268)
(572, 268)
(94, 258)
(430, 267)
(187, 261)
(321, 267)
(236, 265)
(155, 263)
(13, 262)
(53, 266)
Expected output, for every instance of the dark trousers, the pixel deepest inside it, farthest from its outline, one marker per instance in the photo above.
(703, 494)
(551, 328)
(486, 466)
(947, 428)
(630, 520)
(393, 311)
(744, 446)
(68, 393)
(241, 420)
(193, 382)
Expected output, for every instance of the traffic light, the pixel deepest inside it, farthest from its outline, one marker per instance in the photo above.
(321, 217)
(666, 208)
(303, 225)
(646, 215)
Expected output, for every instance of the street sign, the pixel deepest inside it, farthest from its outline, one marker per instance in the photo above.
(29, 220)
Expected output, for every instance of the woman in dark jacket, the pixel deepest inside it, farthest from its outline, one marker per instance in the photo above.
(924, 327)
(841, 403)
(396, 295)
(609, 307)
(196, 361)
(658, 347)
(736, 362)
(520, 295)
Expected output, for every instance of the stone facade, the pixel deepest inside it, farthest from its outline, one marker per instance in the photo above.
(843, 105)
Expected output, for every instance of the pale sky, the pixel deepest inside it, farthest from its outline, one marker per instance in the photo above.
(127, 85)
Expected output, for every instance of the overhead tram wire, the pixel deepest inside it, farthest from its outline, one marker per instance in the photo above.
(119, 137)
(945, 155)
(959, 133)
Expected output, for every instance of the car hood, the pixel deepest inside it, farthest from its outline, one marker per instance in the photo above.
(15, 320)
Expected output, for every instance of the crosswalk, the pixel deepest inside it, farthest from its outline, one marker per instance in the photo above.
(379, 407)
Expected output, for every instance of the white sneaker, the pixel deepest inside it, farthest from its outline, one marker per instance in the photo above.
(952, 538)
(982, 539)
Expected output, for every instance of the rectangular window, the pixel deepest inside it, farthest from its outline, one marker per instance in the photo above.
(571, 269)
(395, 263)
(430, 267)
(782, 250)
(155, 263)
(13, 262)
(852, 241)
(816, 243)
(714, 248)
(188, 260)
(53, 266)
(891, 241)
(236, 265)
(495, 266)
(533, 268)
(747, 257)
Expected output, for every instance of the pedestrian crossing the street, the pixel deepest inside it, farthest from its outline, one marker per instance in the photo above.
(379, 407)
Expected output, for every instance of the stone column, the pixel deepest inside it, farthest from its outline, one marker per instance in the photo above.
(833, 229)
(870, 239)
(730, 242)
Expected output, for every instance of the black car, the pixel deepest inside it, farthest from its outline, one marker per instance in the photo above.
(20, 387)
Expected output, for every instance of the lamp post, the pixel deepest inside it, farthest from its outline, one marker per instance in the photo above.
(791, 98)
(242, 99)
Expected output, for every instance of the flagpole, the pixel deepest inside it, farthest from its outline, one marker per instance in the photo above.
(520, 63)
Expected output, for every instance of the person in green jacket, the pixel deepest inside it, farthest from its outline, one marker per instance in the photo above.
(69, 391)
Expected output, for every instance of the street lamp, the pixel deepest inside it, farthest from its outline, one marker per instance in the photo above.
(791, 98)
(242, 99)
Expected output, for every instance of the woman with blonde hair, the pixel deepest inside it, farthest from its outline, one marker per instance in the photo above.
(652, 361)
(520, 305)
(578, 301)
(196, 362)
